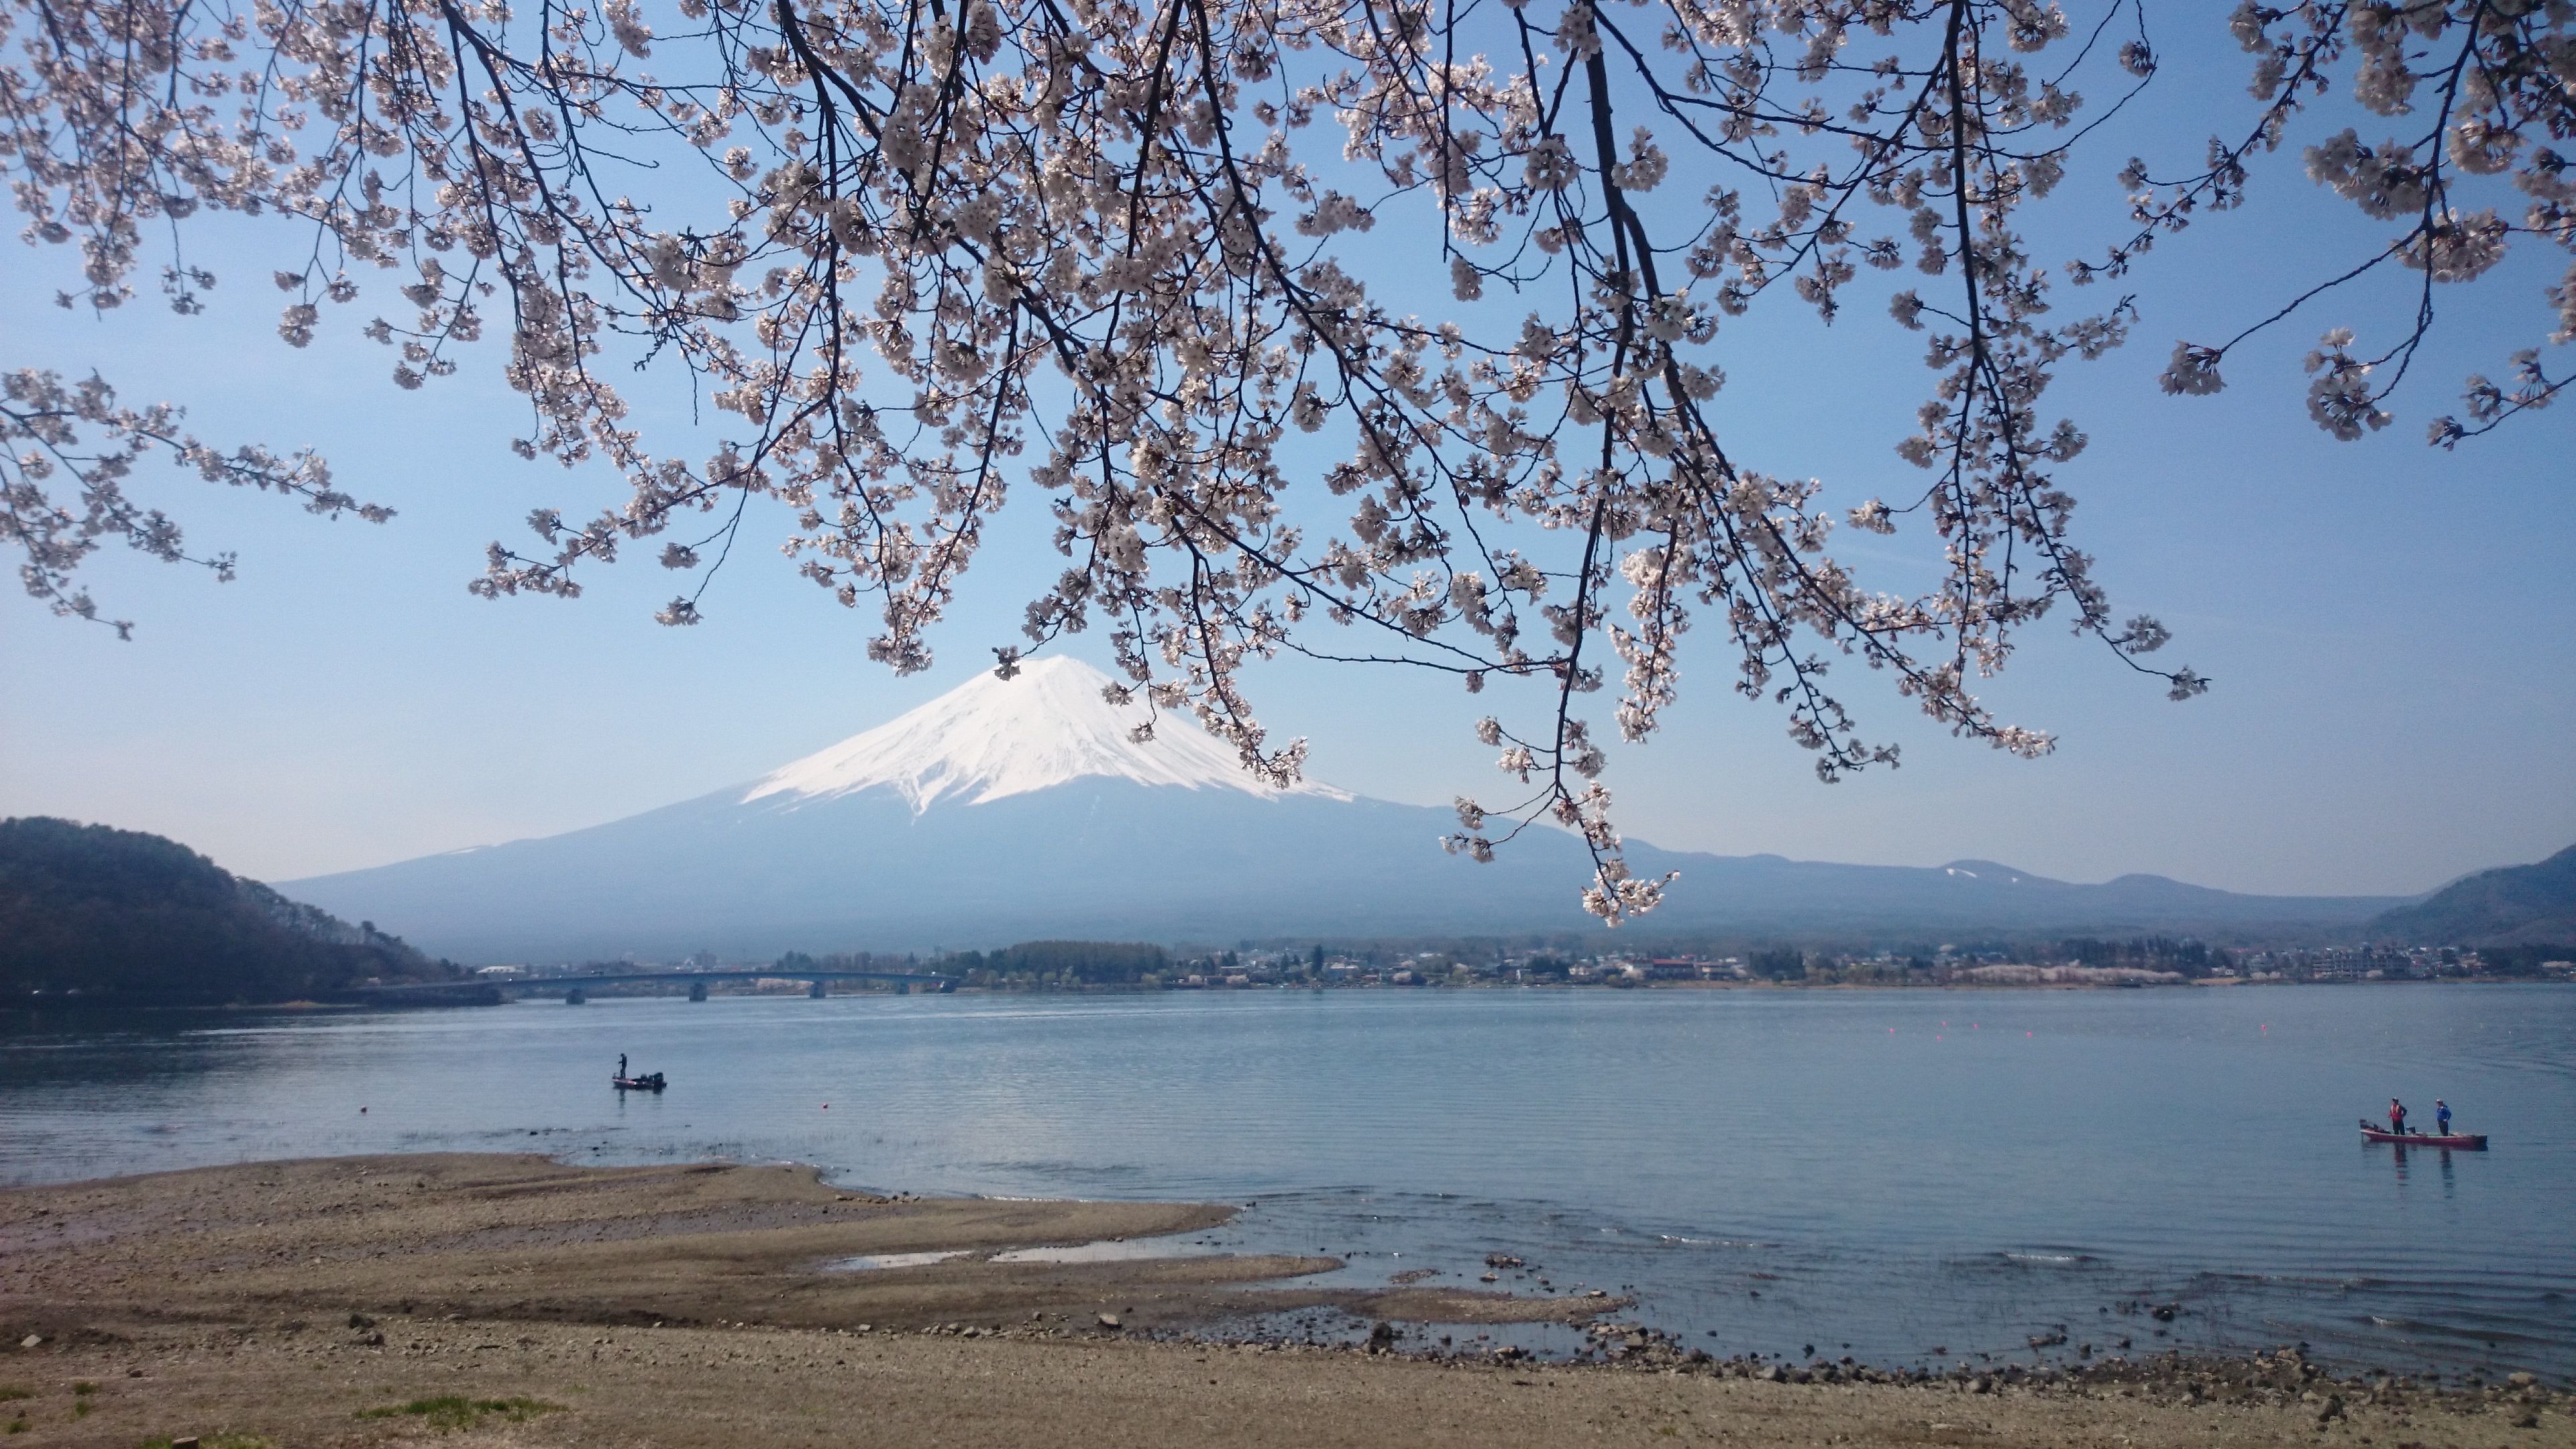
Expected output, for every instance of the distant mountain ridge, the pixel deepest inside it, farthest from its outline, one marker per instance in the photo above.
(2515, 905)
(1010, 810)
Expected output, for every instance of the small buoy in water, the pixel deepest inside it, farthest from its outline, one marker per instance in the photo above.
(827, 1106)
(362, 1111)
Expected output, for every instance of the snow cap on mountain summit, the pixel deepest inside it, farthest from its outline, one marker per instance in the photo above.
(990, 738)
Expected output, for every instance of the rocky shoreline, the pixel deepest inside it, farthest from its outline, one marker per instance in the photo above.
(361, 1382)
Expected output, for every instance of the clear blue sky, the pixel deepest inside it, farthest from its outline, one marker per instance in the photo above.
(2388, 625)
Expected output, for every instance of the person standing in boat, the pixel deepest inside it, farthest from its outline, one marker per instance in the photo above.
(2441, 1117)
(2396, 1116)
(621, 1066)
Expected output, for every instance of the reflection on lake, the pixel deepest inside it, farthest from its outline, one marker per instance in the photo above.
(1899, 1171)
(878, 1262)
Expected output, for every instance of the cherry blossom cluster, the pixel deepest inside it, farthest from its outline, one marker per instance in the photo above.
(78, 434)
(921, 255)
(2482, 97)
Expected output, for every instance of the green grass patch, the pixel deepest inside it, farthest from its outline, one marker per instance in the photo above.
(84, 1387)
(9, 1392)
(455, 1411)
(215, 1441)
(17, 1426)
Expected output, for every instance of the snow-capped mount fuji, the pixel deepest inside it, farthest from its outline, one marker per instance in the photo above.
(1001, 810)
(993, 738)
(1008, 810)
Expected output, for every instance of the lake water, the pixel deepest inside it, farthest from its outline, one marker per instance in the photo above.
(1922, 1176)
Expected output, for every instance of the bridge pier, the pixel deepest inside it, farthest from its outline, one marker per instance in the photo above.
(697, 991)
(576, 997)
(815, 991)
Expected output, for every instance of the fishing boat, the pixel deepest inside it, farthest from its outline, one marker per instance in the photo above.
(638, 1082)
(2463, 1141)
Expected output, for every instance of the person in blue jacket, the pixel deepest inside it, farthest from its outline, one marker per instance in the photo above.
(2442, 1116)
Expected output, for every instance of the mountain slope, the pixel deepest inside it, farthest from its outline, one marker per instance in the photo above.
(122, 916)
(2516, 905)
(1007, 810)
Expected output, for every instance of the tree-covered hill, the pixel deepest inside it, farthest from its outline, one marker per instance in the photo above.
(2515, 905)
(121, 916)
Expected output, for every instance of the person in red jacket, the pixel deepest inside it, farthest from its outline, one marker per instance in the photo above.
(2396, 1115)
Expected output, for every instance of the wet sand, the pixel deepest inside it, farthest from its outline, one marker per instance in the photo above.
(365, 1301)
(523, 1238)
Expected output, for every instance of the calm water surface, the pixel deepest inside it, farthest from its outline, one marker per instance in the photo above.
(1911, 1174)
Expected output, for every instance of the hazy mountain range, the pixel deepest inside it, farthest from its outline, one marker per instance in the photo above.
(1006, 810)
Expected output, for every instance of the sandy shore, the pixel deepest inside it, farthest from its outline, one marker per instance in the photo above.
(510, 1300)
(524, 1238)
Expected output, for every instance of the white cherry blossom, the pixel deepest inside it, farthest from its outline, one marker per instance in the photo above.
(1112, 258)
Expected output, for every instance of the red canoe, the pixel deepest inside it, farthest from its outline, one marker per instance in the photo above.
(2465, 1141)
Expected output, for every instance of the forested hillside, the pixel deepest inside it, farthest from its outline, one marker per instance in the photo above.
(2517, 905)
(1092, 963)
(121, 916)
